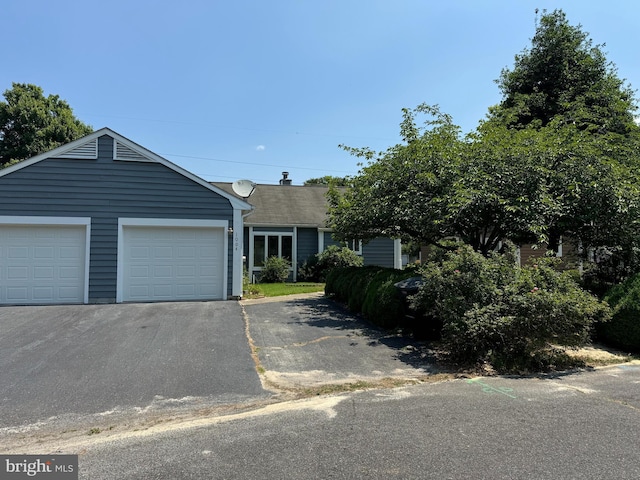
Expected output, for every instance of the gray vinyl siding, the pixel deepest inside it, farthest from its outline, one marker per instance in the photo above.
(379, 251)
(307, 244)
(329, 240)
(105, 190)
(272, 229)
(102, 267)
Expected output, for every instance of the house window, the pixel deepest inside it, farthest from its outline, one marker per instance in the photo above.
(356, 246)
(272, 245)
(259, 251)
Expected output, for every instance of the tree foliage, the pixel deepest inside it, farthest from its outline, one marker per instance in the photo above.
(329, 180)
(558, 156)
(564, 76)
(405, 191)
(32, 123)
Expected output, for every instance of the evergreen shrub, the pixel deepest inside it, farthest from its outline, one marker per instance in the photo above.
(624, 328)
(275, 270)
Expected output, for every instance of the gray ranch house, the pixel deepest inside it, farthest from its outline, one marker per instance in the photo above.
(290, 221)
(104, 220)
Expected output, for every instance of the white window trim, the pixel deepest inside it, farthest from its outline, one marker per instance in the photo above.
(294, 248)
(170, 222)
(352, 245)
(60, 221)
(273, 234)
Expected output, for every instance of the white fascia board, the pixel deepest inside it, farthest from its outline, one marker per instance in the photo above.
(42, 220)
(171, 222)
(238, 250)
(397, 254)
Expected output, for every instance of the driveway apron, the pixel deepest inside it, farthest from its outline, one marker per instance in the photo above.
(310, 341)
(86, 359)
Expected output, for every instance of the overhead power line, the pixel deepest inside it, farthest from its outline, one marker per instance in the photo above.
(256, 163)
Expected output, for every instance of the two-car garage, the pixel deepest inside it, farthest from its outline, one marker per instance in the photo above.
(158, 260)
(103, 220)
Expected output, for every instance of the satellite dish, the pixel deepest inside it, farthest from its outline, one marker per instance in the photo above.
(244, 188)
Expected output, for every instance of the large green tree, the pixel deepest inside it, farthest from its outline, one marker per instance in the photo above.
(564, 76)
(404, 191)
(32, 123)
(564, 88)
(558, 156)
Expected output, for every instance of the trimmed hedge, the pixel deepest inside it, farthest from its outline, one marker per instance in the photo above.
(624, 328)
(370, 291)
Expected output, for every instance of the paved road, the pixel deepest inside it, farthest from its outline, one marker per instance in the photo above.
(582, 426)
(88, 359)
(310, 341)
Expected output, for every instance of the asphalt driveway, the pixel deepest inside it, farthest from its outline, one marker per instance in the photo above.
(87, 359)
(310, 341)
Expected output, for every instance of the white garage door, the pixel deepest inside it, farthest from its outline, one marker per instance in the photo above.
(172, 263)
(42, 264)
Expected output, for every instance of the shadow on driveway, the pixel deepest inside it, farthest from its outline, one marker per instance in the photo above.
(314, 341)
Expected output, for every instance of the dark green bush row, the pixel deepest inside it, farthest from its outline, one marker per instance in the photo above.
(491, 310)
(370, 291)
(624, 328)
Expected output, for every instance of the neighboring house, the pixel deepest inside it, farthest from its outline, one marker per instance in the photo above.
(103, 220)
(291, 222)
(568, 251)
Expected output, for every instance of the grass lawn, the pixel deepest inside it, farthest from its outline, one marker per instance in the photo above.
(279, 289)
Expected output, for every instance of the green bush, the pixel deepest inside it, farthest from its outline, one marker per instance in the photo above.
(494, 311)
(624, 328)
(358, 287)
(370, 291)
(382, 303)
(316, 267)
(275, 270)
(338, 282)
(308, 271)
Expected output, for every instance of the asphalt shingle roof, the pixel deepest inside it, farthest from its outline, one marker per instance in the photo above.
(285, 204)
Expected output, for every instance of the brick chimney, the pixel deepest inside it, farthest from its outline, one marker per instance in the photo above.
(285, 180)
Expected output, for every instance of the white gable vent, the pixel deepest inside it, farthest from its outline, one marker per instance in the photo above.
(122, 152)
(85, 151)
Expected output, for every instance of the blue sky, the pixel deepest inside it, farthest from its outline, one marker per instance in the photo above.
(249, 88)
